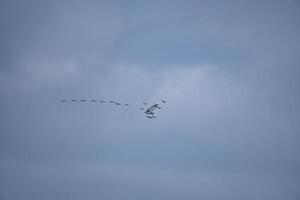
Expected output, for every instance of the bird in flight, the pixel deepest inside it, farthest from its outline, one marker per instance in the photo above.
(148, 109)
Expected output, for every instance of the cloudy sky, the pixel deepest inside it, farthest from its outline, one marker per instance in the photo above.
(229, 71)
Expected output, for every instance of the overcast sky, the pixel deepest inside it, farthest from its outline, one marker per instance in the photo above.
(229, 72)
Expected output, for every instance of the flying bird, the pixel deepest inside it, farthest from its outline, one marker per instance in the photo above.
(149, 112)
(153, 107)
(148, 109)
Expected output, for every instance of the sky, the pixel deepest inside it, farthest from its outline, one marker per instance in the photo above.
(229, 72)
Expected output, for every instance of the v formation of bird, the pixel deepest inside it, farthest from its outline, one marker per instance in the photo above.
(148, 109)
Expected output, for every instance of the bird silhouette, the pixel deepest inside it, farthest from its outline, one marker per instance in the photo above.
(150, 110)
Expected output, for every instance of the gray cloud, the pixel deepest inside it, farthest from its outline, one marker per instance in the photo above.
(228, 71)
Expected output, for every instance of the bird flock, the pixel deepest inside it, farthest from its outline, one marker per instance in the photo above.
(148, 109)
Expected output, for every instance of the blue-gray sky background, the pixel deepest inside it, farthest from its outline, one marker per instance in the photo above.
(229, 71)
